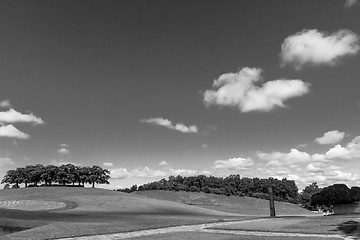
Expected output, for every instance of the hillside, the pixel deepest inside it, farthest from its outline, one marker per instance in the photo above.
(94, 211)
(231, 204)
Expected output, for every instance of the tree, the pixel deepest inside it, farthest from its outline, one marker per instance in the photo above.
(355, 194)
(33, 173)
(98, 175)
(305, 196)
(50, 174)
(337, 193)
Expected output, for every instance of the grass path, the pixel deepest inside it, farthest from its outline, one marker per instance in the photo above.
(206, 228)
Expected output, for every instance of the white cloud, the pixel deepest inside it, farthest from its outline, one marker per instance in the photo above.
(350, 151)
(146, 172)
(163, 163)
(331, 137)
(314, 168)
(12, 132)
(57, 162)
(168, 124)
(13, 116)
(239, 90)
(6, 161)
(63, 149)
(314, 47)
(338, 175)
(278, 158)
(233, 163)
(183, 172)
(5, 103)
(338, 152)
(119, 173)
(108, 164)
(350, 3)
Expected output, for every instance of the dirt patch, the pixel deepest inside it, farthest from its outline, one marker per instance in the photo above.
(32, 205)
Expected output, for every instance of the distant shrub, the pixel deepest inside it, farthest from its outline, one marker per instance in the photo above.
(194, 189)
(261, 195)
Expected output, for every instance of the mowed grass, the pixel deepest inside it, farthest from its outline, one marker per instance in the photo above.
(97, 211)
(232, 204)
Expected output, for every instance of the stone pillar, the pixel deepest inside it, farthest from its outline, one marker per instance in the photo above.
(271, 201)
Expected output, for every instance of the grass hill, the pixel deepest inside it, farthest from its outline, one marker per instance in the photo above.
(96, 211)
(231, 204)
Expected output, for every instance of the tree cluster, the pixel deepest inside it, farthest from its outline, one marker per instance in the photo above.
(284, 190)
(335, 194)
(305, 196)
(32, 175)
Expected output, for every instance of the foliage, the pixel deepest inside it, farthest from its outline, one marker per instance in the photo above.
(334, 194)
(355, 194)
(305, 196)
(64, 174)
(284, 190)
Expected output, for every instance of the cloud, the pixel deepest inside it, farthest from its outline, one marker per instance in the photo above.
(139, 173)
(239, 90)
(146, 172)
(6, 161)
(57, 162)
(331, 137)
(63, 149)
(5, 104)
(313, 47)
(12, 132)
(168, 124)
(350, 3)
(350, 151)
(183, 172)
(233, 163)
(163, 163)
(12, 116)
(279, 158)
(119, 173)
(108, 164)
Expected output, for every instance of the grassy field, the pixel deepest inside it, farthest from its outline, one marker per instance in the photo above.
(98, 211)
(94, 211)
(231, 204)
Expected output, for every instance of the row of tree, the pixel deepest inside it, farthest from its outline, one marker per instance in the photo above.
(335, 194)
(63, 175)
(284, 190)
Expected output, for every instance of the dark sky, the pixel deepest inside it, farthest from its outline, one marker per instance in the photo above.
(104, 75)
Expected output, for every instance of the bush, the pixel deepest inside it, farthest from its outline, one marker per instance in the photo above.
(194, 189)
(261, 195)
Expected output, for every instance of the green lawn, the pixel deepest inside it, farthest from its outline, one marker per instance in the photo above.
(97, 211)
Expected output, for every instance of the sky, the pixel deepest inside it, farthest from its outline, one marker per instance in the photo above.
(154, 88)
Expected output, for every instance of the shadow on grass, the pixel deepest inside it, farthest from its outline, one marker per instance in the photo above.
(350, 228)
(4, 230)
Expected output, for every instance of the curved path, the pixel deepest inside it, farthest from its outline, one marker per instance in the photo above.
(205, 228)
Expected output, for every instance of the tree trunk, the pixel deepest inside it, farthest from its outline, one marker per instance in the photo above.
(25, 184)
(93, 184)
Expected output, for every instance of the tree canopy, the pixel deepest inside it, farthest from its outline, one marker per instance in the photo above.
(284, 190)
(63, 175)
(335, 194)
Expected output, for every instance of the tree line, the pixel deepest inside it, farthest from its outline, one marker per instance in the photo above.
(335, 194)
(32, 175)
(284, 190)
